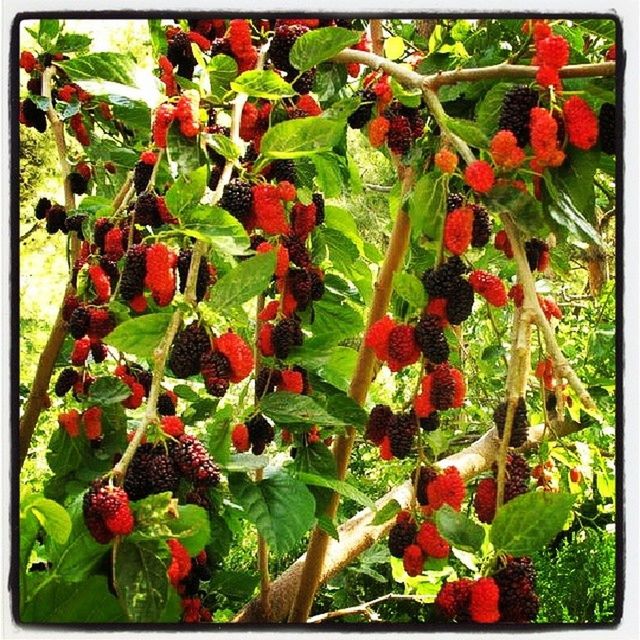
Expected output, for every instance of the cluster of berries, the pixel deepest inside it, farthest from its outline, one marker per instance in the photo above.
(90, 420)
(284, 38)
(185, 112)
(517, 475)
(221, 360)
(107, 512)
(415, 545)
(159, 467)
(507, 596)
(185, 574)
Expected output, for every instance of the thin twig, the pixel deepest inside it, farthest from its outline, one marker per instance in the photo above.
(30, 232)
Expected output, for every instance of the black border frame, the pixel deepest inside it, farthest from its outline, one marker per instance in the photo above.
(13, 112)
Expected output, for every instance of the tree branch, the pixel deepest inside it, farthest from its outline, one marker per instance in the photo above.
(358, 533)
(358, 389)
(503, 71)
(30, 232)
(40, 386)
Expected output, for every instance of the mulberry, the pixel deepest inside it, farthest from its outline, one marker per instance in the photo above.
(286, 334)
(240, 438)
(141, 176)
(430, 422)
(438, 282)
(181, 56)
(80, 351)
(381, 419)
(458, 230)
(238, 353)
(172, 426)
(402, 348)
(378, 129)
(427, 474)
(399, 135)
(581, 123)
(56, 218)
(413, 560)
(459, 301)
(318, 201)
(454, 201)
(32, 116)
(99, 351)
(447, 488)
(484, 500)
(79, 322)
(489, 287)
(518, 601)
(66, 379)
(44, 204)
(430, 338)
(188, 347)
(166, 405)
(401, 433)
(151, 471)
(107, 512)
(514, 114)
(446, 161)
(70, 422)
(431, 542)
(261, 433)
(537, 252)
(401, 535)
(237, 199)
(479, 176)
(298, 253)
(362, 114)
(520, 426)
(216, 372)
(607, 128)
(483, 605)
(146, 210)
(194, 462)
(283, 171)
(517, 474)
(77, 183)
(481, 227)
(304, 83)
(134, 272)
(453, 600)
(281, 44)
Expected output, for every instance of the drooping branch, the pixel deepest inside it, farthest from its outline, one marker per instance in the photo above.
(358, 389)
(359, 534)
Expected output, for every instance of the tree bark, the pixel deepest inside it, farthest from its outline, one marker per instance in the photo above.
(358, 534)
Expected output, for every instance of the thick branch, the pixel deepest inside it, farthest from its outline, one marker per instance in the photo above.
(38, 392)
(358, 534)
(502, 71)
(358, 389)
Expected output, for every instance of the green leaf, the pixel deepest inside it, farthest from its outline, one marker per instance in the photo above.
(488, 109)
(184, 152)
(342, 220)
(340, 486)
(75, 559)
(108, 390)
(66, 110)
(343, 252)
(53, 518)
(140, 336)
(43, 103)
(427, 205)
(281, 508)
(407, 286)
(334, 320)
(319, 45)
(249, 279)
(214, 225)
(348, 409)
(65, 453)
(237, 584)
(316, 458)
(469, 131)
(527, 523)
(141, 579)
(561, 208)
(87, 602)
(394, 47)
(263, 84)
(458, 530)
(328, 525)
(191, 527)
(291, 408)
(387, 512)
(301, 137)
(47, 32)
(72, 42)
(222, 70)
(219, 430)
(113, 67)
(329, 173)
(158, 37)
(525, 209)
(224, 146)
(135, 114)
(186, 191)
(409, 97)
